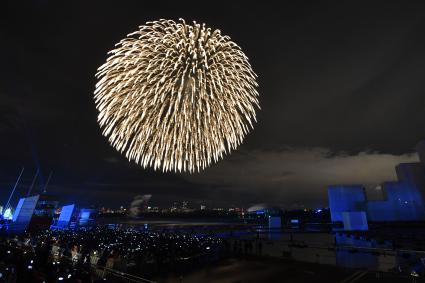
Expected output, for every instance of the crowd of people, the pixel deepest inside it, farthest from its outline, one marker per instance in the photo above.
(85, 255)
(110, 254)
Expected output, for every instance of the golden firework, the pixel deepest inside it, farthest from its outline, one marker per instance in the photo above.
(176, 96)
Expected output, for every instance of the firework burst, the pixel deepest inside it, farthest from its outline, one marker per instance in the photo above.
(175, 96)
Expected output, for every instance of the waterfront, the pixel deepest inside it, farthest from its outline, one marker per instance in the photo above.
(382, 249)
(117, 254)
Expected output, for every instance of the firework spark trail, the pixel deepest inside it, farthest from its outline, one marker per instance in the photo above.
(175, 96)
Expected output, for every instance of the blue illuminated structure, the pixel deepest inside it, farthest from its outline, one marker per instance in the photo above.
(402, 200)
(275, 222)
(263, 210)
(355, 221)
(72, 217)
(8, 214)
(86, 217)
(345, 198)
(65, 217)
(18, 209)
(23, 215)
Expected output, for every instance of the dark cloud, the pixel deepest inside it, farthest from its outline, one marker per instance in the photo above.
(299, 175)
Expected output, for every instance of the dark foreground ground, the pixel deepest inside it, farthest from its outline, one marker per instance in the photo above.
(275, 270)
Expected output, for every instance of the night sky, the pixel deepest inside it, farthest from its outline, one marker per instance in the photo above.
(341, 92)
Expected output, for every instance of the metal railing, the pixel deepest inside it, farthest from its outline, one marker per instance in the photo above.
(103, 271)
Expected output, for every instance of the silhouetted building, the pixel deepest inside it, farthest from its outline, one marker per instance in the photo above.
(46, 205)
(420, 149)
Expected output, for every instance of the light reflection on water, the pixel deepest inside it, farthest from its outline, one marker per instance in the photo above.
(319, 247)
